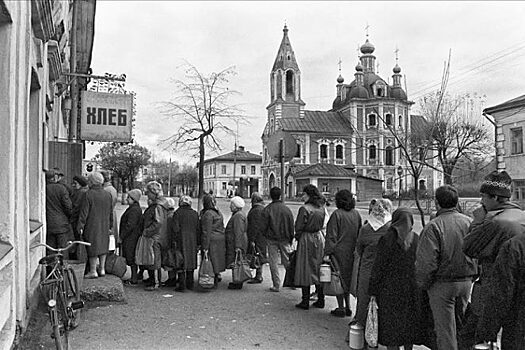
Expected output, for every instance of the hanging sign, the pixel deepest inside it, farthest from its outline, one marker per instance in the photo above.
(106, 117)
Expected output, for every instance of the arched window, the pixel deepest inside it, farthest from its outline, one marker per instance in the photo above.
(289, 82)
(379, 92)
(298, 151)
(388, 119)
(372, 120)
(389, 156)
(400, 121)
(339, 152)
(324, 151)
(372, 152)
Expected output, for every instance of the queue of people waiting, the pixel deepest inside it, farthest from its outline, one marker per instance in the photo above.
(452, 286)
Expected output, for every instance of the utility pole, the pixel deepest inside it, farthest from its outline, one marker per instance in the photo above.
(235, 157)
(281, 158)
(73, 115)
(169, 178)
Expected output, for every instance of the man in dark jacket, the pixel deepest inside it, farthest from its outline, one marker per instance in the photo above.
(505, 304)
(279, 233)
(495, 222)
(442, 269)
(58, 212)
(255, 231)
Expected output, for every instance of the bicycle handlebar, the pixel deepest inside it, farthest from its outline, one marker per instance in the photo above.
(60, 250)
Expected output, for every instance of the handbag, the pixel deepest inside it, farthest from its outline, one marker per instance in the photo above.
(115, 265)
(289, 277)
(241, 271)
(173, 260)
(335, 286)
(372, 326)
(254, 257)
(206, 274)
(144, 254)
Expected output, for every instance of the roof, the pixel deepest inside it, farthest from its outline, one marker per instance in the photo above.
(326, 170)
(515, 102)
(285, 56)
(318, 121)
(240, 156)
(418, 124)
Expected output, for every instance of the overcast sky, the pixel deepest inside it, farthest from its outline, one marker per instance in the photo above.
(148, 40)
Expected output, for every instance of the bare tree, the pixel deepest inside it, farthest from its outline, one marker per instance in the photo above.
(202, 112)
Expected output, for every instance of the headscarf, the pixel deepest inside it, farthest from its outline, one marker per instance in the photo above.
(171, 203)
(237, 202)
(184, 201)
(82, 181)
(155, 188)
(135, 194)
(402, 223)
(208, 203)
(96, 178)
(380, 213)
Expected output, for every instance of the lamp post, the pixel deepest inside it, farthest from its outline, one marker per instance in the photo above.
(399, 173)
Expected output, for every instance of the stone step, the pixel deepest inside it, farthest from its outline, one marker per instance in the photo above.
(108, 288)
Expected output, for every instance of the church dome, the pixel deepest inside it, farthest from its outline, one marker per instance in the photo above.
(359, 67)
(340, 79)
(398, 93)
(358, 92)
(397, 69)
(367, 47)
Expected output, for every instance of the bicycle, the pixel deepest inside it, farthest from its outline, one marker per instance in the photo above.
(59, 287)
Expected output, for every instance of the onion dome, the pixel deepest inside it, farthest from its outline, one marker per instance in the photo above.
(367, 47)
(340, 79)
(359, 67)
(398, 93)
(397, 69)
(358, 92)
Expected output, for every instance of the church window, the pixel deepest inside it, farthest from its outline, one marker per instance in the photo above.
(388, 119)
(298, 151)
(379, 92)
(372, 120)
(372, 152)
(324, 151)
(339, 152)
(289, 57)
(400, 121)
(389, 156)
(289, 82)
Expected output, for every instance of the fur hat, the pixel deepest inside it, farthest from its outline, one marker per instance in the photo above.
(82, 181)
(135, 194)
(238, 202)
(184, 200)
(96, 178)
(497, 184)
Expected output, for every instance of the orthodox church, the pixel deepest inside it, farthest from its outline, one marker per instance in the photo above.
(352, 145)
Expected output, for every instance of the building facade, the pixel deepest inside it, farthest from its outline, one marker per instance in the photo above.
(238, 172)
(355, 139)
(509, 121)
(35, 41)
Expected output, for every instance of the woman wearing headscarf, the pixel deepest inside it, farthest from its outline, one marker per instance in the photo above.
(310, 246)
(129, 231)
(212, 236)
(185, 230)
(94, 222)
(79, 189)
(366, 248)
(236, 237)
(341, 237)
(154, 223)
(256, 230)
(393, 283)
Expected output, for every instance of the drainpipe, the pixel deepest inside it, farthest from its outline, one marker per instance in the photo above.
(73, 69)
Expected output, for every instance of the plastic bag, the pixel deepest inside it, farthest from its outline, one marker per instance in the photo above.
(289, 277)
(144, 254)
(112, 244)
(372, 326)
(206, 274)
(241, 269)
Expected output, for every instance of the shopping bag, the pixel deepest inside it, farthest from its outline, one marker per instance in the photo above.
(172, 260)
(372, 326)
(144, 254)
(289, 277)
(254, 257)
(115, 265)
(206, 274)
(241, 271)
(335, 286)
(112, 245)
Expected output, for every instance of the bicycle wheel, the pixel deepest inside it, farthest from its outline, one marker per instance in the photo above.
(58, 319)
(73, 296)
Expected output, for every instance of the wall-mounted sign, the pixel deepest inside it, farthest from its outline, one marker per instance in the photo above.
(106, 117)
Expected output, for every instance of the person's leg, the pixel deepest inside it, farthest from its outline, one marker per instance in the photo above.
(92, 273)
(462, 297)
(320, 296)
(182, 282)
(340, 301)
(348, 311)
(134, 274)
(442, 297)
(273, 251)
(189, 279)
(305, 299)
(102, 267)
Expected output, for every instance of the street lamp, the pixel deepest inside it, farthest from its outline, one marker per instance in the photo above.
(399, 173)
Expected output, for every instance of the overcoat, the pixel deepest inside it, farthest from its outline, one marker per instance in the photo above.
(236, 237)
(58, 209)
(76, 200)
(96, 219)
(129, 231)
(310, 244)
(185, 230)
(114, 199)
(213, 240)
(257, 227)
(341, 238)
(154, 225)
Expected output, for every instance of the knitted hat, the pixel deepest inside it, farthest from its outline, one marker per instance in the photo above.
(257, 198)
(96, 178)
(135, 194)
(82, 181)
(238, 202)
(184, 200)
(497, 184)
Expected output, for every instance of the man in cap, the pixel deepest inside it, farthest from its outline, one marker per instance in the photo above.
(495, 222)
(58, 212)
(60, 180)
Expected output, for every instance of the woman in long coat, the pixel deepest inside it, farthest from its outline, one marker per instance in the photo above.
(341, 237)
(154, 222)
(310, 246)
(185, 230)
(94, 222)
(366, 248)
(235, 233)
(129, 231)
(393, 283)
(213, 240)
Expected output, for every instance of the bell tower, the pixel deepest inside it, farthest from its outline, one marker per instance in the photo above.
(285, 84)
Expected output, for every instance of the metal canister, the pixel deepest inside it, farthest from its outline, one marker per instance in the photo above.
(486, 346)
(325, 273)
(356, 338)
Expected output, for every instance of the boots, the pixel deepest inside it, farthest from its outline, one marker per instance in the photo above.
(305, 302)
(258, 277)
(320, 297)
(216, 281)
(182, 282)
(189, 280)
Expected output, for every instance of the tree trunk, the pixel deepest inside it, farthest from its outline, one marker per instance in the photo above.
(418, 204)
(124, 195)
(201, 172)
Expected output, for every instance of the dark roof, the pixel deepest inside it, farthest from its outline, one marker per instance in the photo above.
(241, 156)
(418, 124)
(282, 61)
(318, 121)
(327, 170)
(515, 102)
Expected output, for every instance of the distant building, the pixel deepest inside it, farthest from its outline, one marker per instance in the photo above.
(509, 121)
(350, 146)
(220, 177)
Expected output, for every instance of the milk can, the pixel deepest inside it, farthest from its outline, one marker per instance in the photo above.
(356, 338)
(325, 273)
(486, 346)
